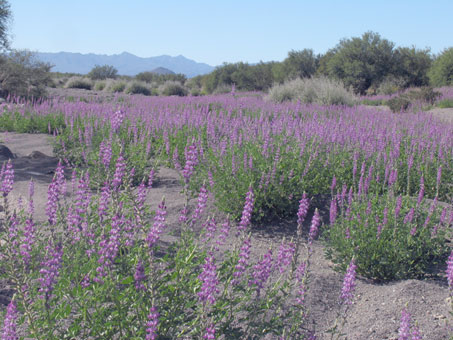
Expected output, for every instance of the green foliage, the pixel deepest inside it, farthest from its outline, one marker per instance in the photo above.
(441, 72)
(373, 102)
(102, 72)
(445, 103)
(385, 244)
(79, 83)
(5, 17)
(119, 86)
(151, 77)
(22, 75)
(411, 65)
(361, 62)
(320, 90)
(138, 88)
(398, 104)
(390, 85)
(173, 88)
(99, 85)
(300, 64)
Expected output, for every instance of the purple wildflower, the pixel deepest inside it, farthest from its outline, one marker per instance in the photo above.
(158, 226)
(247, 211)
(191, 162)
(421, 192)
(209, 281)
(201, 204)
(9, 324)
(139, 276)
(244, 256)
(262, 271)
(117, 120)
(29, 240)
(104, 200)
(56, 188)
(415, 334)
(151, 178)
(211, 228)
(108, 249)
(347, 292)
(300, 276)
(450, 271)
(439, 176)
(333, 211)
(285, 254)
(176, 163)
(50, 271)
(304, 204)
(120, 170)
(7, 179)
(105, 153)
(409, 216)
(405, 324)
(31, 192)
(315, 222)
(151, 325)
(210, 333)
(333, 185)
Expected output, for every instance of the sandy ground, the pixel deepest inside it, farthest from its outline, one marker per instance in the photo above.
(375, 313)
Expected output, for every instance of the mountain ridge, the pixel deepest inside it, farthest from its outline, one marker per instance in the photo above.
(126, 63)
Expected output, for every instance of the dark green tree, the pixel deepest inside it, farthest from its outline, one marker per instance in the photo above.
(412, 65)
(441, 72)
(362, 62)
(300, 64)
(103, 72)
(5, 18)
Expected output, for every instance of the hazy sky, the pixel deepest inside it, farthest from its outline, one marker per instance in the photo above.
(218, 31)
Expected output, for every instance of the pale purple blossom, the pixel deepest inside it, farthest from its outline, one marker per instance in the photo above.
(50, 271)
(405, 324)
(139, 276)
(120, 171)
(315, 222)
(7, 179)
(347, 291)
(152, 324)
(9, 331)
(210, 331)
(261, 272)
(191, 162)
(247, 211)
(158, 225)
(450, 271)
(244, 255)
(209, 281)
(201, 204)
(285, 255)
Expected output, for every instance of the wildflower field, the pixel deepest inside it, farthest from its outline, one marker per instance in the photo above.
(374, 189)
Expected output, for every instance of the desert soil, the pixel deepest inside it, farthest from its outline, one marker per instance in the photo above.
(376, 311)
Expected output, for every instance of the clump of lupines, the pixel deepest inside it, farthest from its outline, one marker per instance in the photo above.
(9, 330)
(247, 212)
(209, 281)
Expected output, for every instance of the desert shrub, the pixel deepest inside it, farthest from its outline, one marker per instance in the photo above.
(373, 102)
(117, 86)
(441, 72)
(138, 88)
(102, 72)
(390, 237)
(320, 90)
(22, 75)
(445, 103)
(79, 83)
(398, 104)
(99, 85)
(425, 94)
(391, 85)
(173, 88)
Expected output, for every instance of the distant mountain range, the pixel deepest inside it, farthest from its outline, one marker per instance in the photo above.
(126, 63)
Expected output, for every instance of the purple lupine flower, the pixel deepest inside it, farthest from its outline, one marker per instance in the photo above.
(211, 228)
(244, 256)
(450, 271)
(224, 232)
(261, 272)
(104, 200)
(151, 325)
(29, 240)
(120, 171)
(285, 254)
(183, 215)
(151, 178)
(210, 333)
(141, 195)
(315, 222)
(421, 191)
(304, 204)
(399, 202)
(439, 176)
(85, 283)
(385, 218)
(139, 276)
(50, 270)
(415, 334)
(409, 216)
(105, 153)
(9, 324)
(347, 291)
(209, 281)
(300, 276)
(247, 211)
(191, 162)
(7, 179)
(176, 163)
(333, 211)
(13, 232)
(333, 185)
(201, 204)
(56, 188)
(405, 324)
(117, 120)
(158, 226)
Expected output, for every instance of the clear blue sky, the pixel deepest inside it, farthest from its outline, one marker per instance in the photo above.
(218, 31)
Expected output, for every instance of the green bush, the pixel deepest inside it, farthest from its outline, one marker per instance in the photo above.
(117, 86)
(99, 86)
(398, 104)
(387, 244)
(79, 83)
(320, 90)
(22, 75)
(173, 88)
(373, 102)
(391, 85)
(445, 104)
(138, 88)
(441, 72)
(425, 94)
(102, 72)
